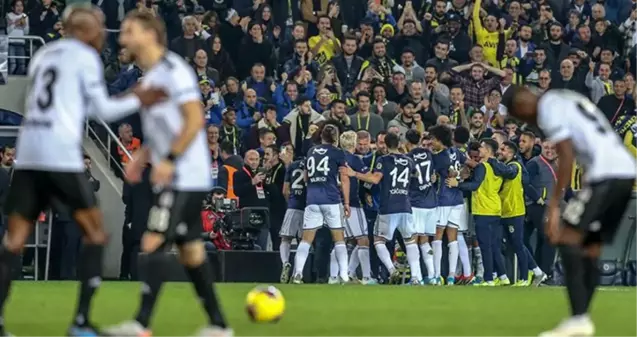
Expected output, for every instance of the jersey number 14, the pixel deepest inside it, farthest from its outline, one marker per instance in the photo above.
(402, 177)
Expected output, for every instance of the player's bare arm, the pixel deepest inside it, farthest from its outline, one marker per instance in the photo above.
(565, 152)
(345, 188)
(133, 171)
(286, 190)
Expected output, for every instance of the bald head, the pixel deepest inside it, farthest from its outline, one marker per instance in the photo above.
(85, 23)
(251, 159)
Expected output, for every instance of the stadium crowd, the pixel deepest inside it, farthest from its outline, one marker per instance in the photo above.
(274, 73)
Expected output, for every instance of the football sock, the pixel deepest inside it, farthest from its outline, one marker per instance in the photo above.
(333, 264)
(574, 273)
(437, 247)
(503, 277)
(463, 253)
(201, 278)
(413, 258)
(152, 281)
(340, 250)
(428, 256)
(591, 278)
(90, 275)
(477, 255)
(7, 260)
(354, 261)
(363, 257)
(383, 255)
(453, 257)
(301, 256)
(284, 251)
(537, 271)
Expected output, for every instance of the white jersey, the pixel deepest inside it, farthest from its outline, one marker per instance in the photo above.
(67, 78)
(163, 122)
(564, 114)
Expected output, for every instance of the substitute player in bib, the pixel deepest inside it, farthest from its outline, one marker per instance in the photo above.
(580, 131)
(324, 202)
(393, 174)
(176, 147)
(422, 194)
(67, 87)
(452, 212)
(294, 191)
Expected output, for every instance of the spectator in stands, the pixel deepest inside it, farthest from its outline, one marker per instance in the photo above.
(215, 154)
(249, 187)
(337, 113)
(220, 60)
(457, 113)
(262, 85)
(201, 67)
(189, 43)
(347, 65)
(599, 85)
(255, 49)
(301, 60)
(121, 64)
(229, 131)
(17, 26)
(43, 17)
(268, 122)
(363, 119)
(298, 123)
(131, 143)
(615, 105)
(8, 156)
(478, 127)
(476, 87)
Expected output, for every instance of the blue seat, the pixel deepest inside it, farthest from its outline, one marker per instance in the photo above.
(610, 273)
(630, 274)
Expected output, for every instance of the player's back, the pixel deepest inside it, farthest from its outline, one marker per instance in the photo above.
(296, 178)
(564, 114)
(56, 107)
(422, 191)
(356, 163)
(394, 187)
(446, 161)
(322, 165)
(162, 123)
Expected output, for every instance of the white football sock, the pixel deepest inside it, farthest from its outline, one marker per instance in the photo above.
(437, 247)
(363, 257)
(503, 277)
(537, 271)
(463, 253)
(340, 250)
(284, 252)
(333, 264)
(477, 255)
(353, 261)
(383, 255)
(428, 257)
(453, 257)
(302, 251)
(413, 258)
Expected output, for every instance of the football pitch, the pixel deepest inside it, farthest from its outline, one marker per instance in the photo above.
(45, 308)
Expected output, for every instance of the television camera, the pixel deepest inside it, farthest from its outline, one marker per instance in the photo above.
(240, 226)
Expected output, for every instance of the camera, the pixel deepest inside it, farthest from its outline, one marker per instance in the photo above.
(240, 226)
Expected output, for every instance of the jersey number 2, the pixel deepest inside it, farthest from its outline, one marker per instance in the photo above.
(45, 99)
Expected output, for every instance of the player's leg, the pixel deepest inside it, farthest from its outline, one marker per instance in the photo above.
(428, 219)
(312, 221)
(539, 276)
(498, 259)
(465, 260)
(333, 269)
(456, 222)
(357, 226)
(289, 229)
(354, 262)
(484, 236)
(383, 231)
(407, 230)
(514, 228)
(27, 197)
(436, 245)
(333, 215)
(76, 191)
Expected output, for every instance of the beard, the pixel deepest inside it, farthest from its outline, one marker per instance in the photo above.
(525, 39)
(555, 39)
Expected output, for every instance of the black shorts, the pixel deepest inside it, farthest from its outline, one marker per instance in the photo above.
(177, 215)
(31, 192)
(598, 209)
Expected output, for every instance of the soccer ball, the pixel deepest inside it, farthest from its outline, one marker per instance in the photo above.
(265, 304)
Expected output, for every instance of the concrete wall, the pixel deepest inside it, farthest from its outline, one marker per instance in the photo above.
(12, 94)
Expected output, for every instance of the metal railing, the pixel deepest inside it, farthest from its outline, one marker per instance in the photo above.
(30, 50)
(105, 141)
(42, 239)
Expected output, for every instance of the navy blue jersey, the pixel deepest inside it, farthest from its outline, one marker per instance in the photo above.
(356, 163)
(321, 165)
(422, 191)
(368, 191)
(451, 159)
(295, 176)
(397, 170)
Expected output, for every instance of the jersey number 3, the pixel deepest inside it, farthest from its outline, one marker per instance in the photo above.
(45, 97)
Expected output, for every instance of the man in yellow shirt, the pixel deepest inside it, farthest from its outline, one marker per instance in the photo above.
(487, 35)
(486, 207)
(325, 45)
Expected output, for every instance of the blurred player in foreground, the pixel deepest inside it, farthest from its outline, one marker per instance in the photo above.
(579, 130)
(176, 147)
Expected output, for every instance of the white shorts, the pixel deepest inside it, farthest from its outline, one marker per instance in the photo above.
(356, 224)
(386, 225)
(453, 216)
(316, 216)
(425, 220)
(292, 221)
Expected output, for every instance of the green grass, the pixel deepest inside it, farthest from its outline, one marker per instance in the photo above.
(46, 309)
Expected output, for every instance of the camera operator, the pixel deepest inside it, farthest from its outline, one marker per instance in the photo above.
(274, 185)
(213, 237)
(249, 187)
(231, 164)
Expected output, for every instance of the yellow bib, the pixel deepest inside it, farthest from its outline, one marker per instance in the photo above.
(512, 195)
(486, 200)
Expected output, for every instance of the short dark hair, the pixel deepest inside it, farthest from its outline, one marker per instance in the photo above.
(441, 133)
(431, 65)
(274, 148)
(528, 134)
(511, 145)
(227, 147)
(265, 131)
(492, 144)
(461, 135)
(392, 141)
(269, 107)
(329, 134)
(413, 136)
(363, 94)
